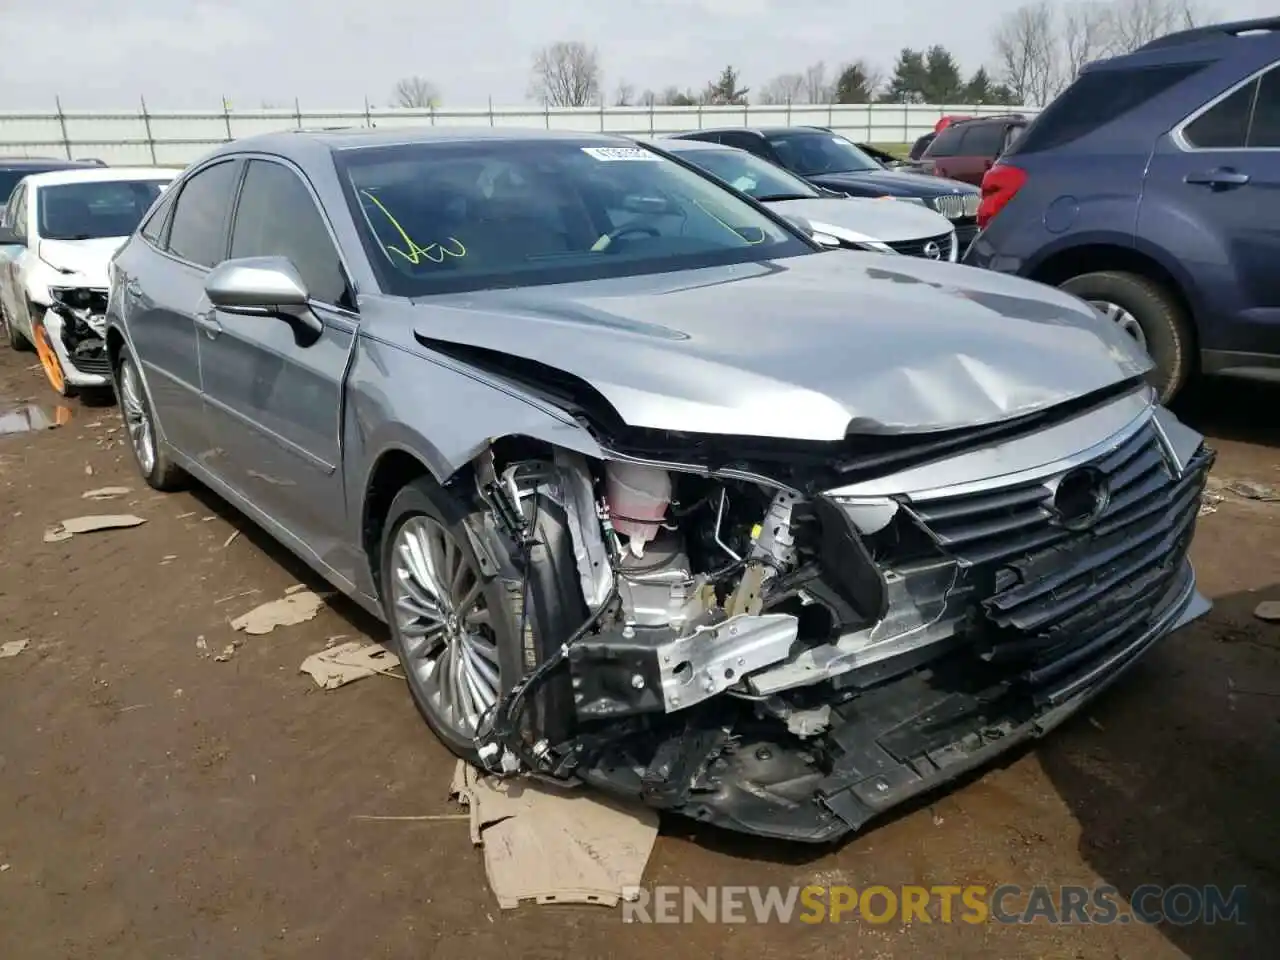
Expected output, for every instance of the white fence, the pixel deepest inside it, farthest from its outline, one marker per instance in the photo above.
(168, 138)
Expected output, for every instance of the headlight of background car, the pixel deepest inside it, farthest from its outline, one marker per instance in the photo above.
(75, 297)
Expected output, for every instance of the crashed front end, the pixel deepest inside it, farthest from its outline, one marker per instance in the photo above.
(76, 324)
(789, 638)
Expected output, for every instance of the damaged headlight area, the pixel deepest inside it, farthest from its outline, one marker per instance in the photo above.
(791, 662)
(76, 319)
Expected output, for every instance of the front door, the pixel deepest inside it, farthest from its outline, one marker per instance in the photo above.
(273, 394)
(1217, 179)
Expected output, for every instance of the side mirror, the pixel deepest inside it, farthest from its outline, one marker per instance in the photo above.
(261, 287)
(8, 237)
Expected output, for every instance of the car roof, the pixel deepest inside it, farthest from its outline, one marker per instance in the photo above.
(55, 178)
(1214, 42)
(676, 145)
(308, 145)
(48, 163)
(763, 131)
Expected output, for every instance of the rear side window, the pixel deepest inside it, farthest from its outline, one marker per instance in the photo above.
(1265, 130)
(199, 230)
(983, 140)
(1097, 98)
(277, 217)
(947, 143)
(1225, 126)
(153, 227)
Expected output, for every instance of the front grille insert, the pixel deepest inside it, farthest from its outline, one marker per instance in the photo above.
(930, 248)
(1056, 599)
(954, 206)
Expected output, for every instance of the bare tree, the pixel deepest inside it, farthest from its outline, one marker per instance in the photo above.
(648, 98)
(1027, 53)
(416, 93)
(1135, 22)
(624, 94)
(1086, 36)
(784, 88)
(566, 74)
(817, 88)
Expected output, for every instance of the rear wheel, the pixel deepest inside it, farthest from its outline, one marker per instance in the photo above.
(1151, 315)
(13, 335)
(457, 630)
(149, 454)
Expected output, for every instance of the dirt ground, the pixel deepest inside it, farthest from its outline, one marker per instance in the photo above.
(156, 803)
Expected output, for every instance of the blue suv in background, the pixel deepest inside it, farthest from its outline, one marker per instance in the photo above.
(1151, 188)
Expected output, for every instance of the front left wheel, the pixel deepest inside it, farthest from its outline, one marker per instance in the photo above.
(458, 630)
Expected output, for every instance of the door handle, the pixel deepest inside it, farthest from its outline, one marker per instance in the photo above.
(208, 322)
(1223, 177)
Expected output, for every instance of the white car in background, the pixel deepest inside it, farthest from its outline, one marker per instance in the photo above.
(66, 225)
(883, 225)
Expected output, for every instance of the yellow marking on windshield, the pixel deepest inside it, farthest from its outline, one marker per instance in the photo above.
(435, 252)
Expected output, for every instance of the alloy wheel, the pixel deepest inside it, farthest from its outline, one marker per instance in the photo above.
(137, 418)
(1123, 319)
(444, 625)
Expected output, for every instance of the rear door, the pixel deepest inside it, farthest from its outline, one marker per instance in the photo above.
(1217, 178)
(160, 283)
(274, 397)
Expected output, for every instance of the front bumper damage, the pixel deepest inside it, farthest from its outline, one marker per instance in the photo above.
(76, 323)
(1005, 600)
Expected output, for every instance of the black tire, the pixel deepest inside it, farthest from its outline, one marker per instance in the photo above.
(1163, 320)
(553, 594)
(164, 474)
(13, 336)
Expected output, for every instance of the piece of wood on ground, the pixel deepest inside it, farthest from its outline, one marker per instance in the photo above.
(75, 525)
(337, 666)
(287, 611)
(104, 493)
(553, 846)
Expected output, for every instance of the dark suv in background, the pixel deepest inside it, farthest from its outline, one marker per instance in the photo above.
(13, 169)
(835, 163)
(1151, 187)
(967, 149)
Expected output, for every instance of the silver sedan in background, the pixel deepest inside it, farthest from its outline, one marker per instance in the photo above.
(901, 225)
(653, 492)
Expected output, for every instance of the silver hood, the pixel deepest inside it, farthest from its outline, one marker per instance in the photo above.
(802, 347)
(864, 219)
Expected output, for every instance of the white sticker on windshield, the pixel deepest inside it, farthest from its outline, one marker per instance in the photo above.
(620, 153)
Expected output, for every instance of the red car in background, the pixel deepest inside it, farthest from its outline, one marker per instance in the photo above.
(967, 148)
(918, 148)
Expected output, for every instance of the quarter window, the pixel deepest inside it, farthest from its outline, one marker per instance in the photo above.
(199, 230)
(277, 217)
(153, 227)
(1225, 126)
(1264, 132)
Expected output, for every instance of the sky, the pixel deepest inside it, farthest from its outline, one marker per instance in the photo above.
(190, 54)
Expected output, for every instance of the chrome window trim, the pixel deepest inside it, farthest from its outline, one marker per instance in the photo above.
(1178, 133)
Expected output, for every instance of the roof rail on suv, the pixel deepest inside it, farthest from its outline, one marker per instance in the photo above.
(1215, 31)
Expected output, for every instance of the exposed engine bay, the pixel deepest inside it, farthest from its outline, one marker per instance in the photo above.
(791, 662)
(76, 321)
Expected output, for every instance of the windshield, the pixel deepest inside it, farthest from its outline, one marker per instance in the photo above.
(810, 153)
(444, 217)
(755, 177)
(95, 209)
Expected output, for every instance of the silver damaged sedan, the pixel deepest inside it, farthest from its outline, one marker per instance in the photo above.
(653, 492)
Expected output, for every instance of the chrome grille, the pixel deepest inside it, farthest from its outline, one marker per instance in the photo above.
(1060, 598)
(956, 205)
(920, 248)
